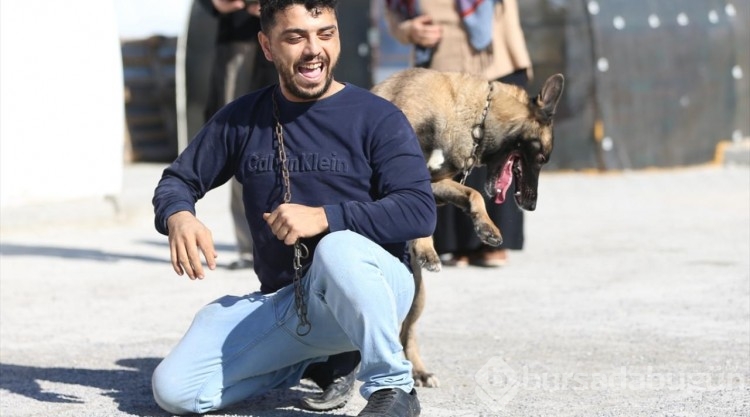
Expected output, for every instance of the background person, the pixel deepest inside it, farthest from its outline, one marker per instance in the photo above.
(238, 68)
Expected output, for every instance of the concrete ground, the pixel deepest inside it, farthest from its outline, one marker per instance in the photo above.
(631, 298)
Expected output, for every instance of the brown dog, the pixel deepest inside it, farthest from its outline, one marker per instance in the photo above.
(463, 121)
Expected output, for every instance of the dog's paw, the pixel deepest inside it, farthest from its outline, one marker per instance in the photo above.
(423, 252)
(430, 261)
(425, 255)
(489, 234)
(433, 266)
(425, 379)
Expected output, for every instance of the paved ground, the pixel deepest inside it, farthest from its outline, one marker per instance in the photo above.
(632, 298)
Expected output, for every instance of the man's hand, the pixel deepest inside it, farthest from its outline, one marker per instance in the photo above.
(229, 6)
(187, 236)
(423, 32)
(290, 222)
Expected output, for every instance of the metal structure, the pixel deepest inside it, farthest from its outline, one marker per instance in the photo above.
(649, 84)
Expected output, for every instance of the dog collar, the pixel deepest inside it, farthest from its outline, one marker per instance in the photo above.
(477, 133)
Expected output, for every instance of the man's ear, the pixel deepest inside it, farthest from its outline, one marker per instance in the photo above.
(265, 43)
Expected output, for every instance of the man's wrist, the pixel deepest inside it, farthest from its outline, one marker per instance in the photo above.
(176, 216)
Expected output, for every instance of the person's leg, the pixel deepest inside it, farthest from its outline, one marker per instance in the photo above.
(241, 228)
(238, 76)
(324, 373)
(236, 347)
(335, 377)
(359, 294)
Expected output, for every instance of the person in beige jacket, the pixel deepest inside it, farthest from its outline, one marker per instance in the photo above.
(442, 40)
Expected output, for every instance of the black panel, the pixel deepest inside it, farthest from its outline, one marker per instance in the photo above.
(648, 83)
(559, 41)
(663, 81)
(354, 25)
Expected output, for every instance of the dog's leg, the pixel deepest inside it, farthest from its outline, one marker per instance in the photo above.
(471, 202)
(408, 332)
(423, 252)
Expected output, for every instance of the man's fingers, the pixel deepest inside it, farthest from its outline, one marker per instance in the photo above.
(210, 258)
(291, 222)
(173, 256)
(194, 260)
(272, 219)
(290, 238)
(188, 239)
(206, 246)
(423, 19)
(277, 223)
(182, 263)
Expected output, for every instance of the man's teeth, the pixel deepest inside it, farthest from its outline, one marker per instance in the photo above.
(312, 66)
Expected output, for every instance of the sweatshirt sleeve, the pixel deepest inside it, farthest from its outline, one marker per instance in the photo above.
(204, 165)
(404, 207)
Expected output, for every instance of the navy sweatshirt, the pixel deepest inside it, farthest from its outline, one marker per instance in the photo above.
(354, 154)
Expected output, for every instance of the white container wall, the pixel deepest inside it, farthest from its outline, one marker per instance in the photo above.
(61, 101)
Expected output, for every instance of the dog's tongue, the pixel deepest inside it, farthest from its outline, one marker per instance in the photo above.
(504, 181)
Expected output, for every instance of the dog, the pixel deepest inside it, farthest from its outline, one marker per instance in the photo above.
(463, 121)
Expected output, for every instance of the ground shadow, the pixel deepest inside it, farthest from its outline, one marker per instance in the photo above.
(12, 249)
(219, 246)
(130, 388)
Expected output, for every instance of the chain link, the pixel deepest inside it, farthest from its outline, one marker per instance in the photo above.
(477, 133)
(300, 250)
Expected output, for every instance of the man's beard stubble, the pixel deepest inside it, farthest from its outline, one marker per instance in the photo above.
(293, 88)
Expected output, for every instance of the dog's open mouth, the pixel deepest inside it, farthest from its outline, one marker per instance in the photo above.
(510, 170)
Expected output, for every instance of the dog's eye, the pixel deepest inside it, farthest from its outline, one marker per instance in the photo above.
(541, 159)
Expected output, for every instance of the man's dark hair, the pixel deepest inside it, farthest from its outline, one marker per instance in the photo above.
(269, 9)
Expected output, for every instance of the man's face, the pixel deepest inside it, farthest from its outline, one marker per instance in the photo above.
(304, 46)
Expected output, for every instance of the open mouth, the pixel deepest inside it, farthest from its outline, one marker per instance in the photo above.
(311, 71)
(510, 171)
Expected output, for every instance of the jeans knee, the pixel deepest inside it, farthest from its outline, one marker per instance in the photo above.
(340, 247)
(169, 392)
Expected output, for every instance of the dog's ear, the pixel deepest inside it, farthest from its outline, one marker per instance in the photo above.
(546, 102)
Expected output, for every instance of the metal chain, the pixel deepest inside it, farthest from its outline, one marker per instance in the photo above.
(300, 250)
(477, 133)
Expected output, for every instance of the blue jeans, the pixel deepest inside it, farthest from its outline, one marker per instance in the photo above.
(357, 296)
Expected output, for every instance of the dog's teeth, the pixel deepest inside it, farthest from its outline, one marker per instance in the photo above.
(518, 194)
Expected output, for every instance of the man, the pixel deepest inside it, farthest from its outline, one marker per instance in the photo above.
(334, 185)
(239, 68)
